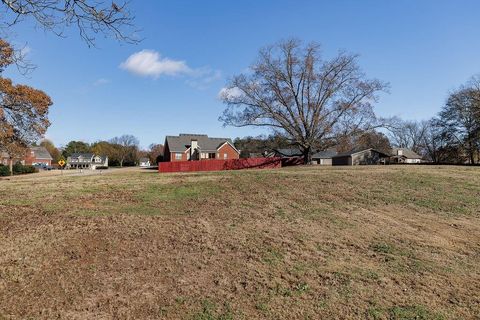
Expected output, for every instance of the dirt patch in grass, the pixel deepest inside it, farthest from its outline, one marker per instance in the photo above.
(300, 243)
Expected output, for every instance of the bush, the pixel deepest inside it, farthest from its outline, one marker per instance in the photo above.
(18, 168)
(4, 171)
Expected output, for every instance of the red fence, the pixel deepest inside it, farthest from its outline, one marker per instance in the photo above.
(217, 165)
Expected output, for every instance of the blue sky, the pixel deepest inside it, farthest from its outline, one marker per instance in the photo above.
(423, 48)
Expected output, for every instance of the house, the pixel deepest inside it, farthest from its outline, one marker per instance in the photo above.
(404, 155)
(33, 156)
(324, 157)
(86, 161)
(38, 155)
(191, 147)
(144, 162)
(4, 158)
(360, 157)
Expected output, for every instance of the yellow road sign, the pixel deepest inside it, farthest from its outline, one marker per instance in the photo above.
(61, 163)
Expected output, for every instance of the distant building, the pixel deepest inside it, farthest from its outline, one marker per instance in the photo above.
(33, 156)
(324, 157)
(4, 158)
(360, 157)
(144, 162)
(404, 155)
(191, 147)
(86, 161)
(38, 155)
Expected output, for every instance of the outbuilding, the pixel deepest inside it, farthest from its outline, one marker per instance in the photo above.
(360, 157)
(324, 158)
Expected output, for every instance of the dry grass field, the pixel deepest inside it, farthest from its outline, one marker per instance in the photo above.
(395, 242)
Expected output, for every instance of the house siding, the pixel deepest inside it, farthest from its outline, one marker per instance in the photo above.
(173, 157)
(229, 150)
(30, 159)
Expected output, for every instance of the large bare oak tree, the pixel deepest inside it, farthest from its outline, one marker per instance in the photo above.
(293, 89)
(90, 17)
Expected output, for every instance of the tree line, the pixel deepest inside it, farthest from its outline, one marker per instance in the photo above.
(453, 135)
(121, 151)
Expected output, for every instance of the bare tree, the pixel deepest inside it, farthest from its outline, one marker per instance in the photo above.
(125, 146)
(155, 153)
(90, 17)
(296, 92)
(408, 134)
(460, 119)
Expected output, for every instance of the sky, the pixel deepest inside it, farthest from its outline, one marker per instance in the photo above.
(169, 82)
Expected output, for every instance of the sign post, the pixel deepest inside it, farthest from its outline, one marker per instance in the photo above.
(61, 163)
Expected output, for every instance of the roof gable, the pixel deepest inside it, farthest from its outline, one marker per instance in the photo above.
(408, 153)
(41, 153)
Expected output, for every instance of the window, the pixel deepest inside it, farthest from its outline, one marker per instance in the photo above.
(211, 156)
(225, 156)
(178, 156)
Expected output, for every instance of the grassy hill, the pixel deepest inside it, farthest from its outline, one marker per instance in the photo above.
(394, 242)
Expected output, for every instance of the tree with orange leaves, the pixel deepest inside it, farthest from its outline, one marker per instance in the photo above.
(23, 111)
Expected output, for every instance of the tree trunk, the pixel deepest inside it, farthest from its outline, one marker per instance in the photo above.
(471, 152)
(10, 165)
(307, 155)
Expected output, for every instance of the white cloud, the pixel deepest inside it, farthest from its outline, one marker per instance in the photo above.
(101, 82)
(150, 63)
(229, 93)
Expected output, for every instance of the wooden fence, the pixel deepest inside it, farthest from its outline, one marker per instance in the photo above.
(217, 165)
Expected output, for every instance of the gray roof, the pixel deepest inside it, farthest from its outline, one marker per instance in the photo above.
(292, 152)
(144, 160)
(41, 153)
(357, 150)
(83, 155)
(182, 142)
(326, 154)
(409, 154)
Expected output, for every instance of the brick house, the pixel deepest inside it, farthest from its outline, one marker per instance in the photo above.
(190, 147)
(38, 155)
(33, 155)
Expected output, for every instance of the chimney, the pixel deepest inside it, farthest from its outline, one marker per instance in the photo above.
(193, 148)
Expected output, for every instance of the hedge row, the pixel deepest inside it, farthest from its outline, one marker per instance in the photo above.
(18, 168)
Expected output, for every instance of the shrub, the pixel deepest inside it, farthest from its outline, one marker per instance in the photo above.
(4, 171)
(18, 168)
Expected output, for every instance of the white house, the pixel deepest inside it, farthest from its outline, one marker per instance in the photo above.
(144, 162)
(86, 161)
